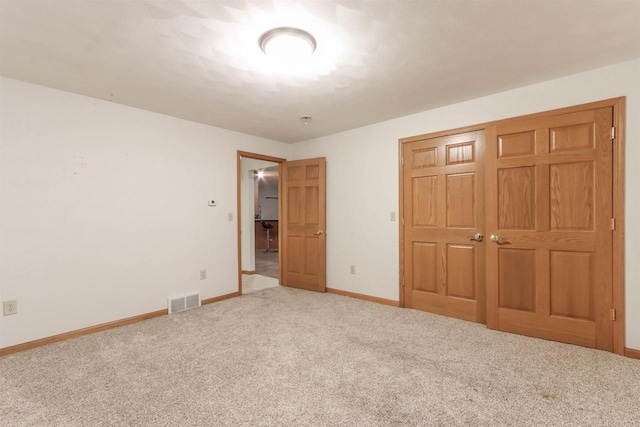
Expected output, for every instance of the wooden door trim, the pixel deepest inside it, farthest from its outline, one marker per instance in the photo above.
(260, 157)
(632, 353)
(619, 120)
(448, 132)
(239, 156)
(619, 114)
(401, 142)
(363, 297)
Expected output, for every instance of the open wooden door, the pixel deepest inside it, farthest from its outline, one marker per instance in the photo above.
(443, 209)
(549, 217)
(303, 221)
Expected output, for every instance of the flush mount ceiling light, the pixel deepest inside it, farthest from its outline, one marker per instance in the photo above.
(287, 44)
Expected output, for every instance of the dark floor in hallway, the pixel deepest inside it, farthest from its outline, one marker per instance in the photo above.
(267, 263)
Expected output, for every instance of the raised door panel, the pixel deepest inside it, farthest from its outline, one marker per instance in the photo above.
(517, 144)
(312, 256)
(294, 173)
(295, 260)
(424, 201)
(579, 136)
(571, 196)
(311, 200)
(464, 152)
(461, 209)
(424, 158)
(571, 283)
(293, 206)
(517, 198)
(461, 271)
(425, 266)
(517, 279)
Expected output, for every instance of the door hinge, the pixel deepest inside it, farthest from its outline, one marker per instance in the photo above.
(613, 224)
(403, 283)
(613, 132)
(613, 314)
(402, 160)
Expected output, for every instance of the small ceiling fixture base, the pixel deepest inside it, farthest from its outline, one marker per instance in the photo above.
(305, 119)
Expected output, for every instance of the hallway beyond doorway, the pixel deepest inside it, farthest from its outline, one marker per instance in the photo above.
(267, 263)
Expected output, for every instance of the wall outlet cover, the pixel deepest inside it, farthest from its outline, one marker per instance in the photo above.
(10, 307)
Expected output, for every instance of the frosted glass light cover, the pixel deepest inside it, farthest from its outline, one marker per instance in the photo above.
(289, 45)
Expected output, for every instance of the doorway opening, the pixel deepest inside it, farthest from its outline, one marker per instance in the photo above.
(266, 215)
(258, 230)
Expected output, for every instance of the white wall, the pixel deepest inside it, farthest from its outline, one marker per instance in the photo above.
(104, 209)
(268, 195)
(362, 177)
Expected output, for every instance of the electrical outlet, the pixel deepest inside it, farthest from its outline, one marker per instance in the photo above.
(10, 307)
(352, 269)
(203, 274)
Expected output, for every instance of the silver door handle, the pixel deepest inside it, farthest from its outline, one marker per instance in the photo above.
(478, 237)
(319, 232)
(499, 240)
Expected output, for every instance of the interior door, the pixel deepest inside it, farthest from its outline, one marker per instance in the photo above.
(303, 221)
(549, 211)
(443, 207)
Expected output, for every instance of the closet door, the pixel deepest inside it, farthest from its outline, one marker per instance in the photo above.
(549, 238)
(443, 213)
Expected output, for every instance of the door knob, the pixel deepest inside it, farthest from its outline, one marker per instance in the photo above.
(478, 237)
(499, 240)
(319, 232)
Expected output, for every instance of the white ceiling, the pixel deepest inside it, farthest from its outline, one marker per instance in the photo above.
(199, 60)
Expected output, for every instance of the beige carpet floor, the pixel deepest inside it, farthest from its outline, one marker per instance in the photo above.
(285, 357)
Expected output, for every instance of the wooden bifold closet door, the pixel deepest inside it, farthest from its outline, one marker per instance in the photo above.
(549, 211)
(511, 225)
(443, 221)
